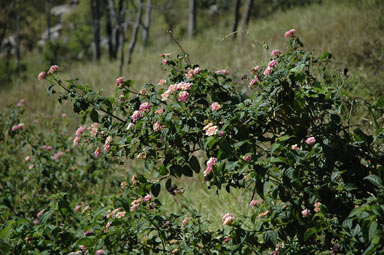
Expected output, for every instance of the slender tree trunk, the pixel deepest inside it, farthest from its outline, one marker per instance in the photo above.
(120, 34)
(48, 13)
(135, 31)
(246, 15)
(192, 19)
(95, 9)
(17, 35)
(147, 22)
(236, 17)
(109, 4)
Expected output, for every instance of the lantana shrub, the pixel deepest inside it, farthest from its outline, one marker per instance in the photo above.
(317, 179)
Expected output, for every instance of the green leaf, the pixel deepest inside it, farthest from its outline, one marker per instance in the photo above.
(309, 232)
(187, 171)
(163, 170)
(194, 163)
(168, 184)
(374, 179)
(269, 238)
(94, 115)
(372, 230)
(155, 189)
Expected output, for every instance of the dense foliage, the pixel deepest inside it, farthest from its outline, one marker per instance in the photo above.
(289, 137)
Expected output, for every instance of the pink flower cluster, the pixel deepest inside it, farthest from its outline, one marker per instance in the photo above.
(275, 52)
(53, 69)
(159, 111)
(107, 143)
(182, 86)
(94, 129)
(226, 72)
(40, 213)
(116, 213)
(136, 114)
(183, 96)
(185, 221)
(86, 209)
(18, 126)
(135, 204)
(290, 33)
(46, 147)
(145, 107)
(123, 185)
(100, 252)
(271, 64)
(253, 81)
(247, 158)
(228, 219)
(210, 163)
(119, 82)
(156, 126)
(316, 206)
(305, 212)
(210, 129)
(310, 140)
(41, 76)
(77, 208)
(255, 69)
(78, 134)
(58, 155)
(80, 130)
(215, 106)
(192, 72)
(97, 152)
(256, 202)
(20, 103)
(107, 226)
(162, 82)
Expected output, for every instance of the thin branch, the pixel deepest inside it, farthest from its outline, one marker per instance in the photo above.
(170, 32)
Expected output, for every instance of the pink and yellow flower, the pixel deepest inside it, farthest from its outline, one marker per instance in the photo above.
(226, 72)
(53, 69)
(310, 140)
(183, 96)
(215, 106)
(290, 33)
(228, 219)
(41, 76)
(275, 52)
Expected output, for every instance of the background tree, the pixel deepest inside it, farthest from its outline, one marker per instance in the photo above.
(147, 22)
(236, 11)
(120, 33)
(17, 35)
(246, 15)
(95, 10)
(192, 19)
(135, 31)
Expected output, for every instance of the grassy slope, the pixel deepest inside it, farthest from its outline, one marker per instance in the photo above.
(351, 34)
